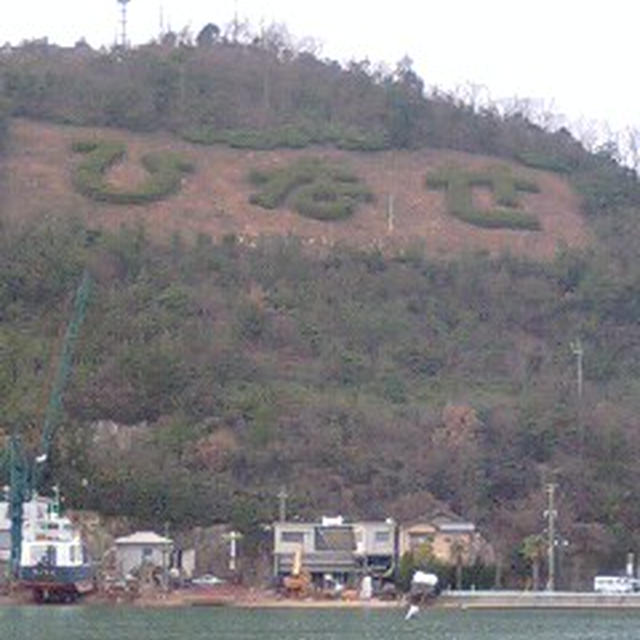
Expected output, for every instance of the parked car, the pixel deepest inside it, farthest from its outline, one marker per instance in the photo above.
(206, 580)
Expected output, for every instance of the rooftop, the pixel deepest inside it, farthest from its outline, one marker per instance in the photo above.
(144, 537)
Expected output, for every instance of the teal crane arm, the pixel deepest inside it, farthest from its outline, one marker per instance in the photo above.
(54, 408)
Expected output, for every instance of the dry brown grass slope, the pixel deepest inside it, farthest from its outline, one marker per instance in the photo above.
(215, 199)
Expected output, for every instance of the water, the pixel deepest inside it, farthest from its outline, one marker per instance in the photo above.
(108, 623)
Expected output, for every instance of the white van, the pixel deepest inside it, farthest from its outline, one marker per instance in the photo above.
(615, 584)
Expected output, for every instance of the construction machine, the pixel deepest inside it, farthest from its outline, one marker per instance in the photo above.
(25, 473)
(298, 583)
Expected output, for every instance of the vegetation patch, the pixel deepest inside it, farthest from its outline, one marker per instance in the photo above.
(289, 136)
(4, 123)
(546, 161)
(314, 189)
(165, 173)
(459, 183)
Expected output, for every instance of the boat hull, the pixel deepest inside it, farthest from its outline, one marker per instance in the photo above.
(57, 583)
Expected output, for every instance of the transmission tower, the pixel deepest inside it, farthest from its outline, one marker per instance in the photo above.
(123, 22)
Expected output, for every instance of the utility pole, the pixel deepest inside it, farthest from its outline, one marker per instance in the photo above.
(576, 348)
(391, 214)
(551, 515)
(282, 504)
(235, 22)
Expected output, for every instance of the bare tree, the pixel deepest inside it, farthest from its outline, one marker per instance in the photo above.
(533, 550)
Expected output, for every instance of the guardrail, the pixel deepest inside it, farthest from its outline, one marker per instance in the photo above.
(537, 599)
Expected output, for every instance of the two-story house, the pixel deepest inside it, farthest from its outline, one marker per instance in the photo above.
(444, 537)
(334, 549)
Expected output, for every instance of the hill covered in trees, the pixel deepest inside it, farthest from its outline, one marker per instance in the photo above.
(369, 382)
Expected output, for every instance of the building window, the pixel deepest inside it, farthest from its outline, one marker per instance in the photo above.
(382, 536)
(5, 540)
(335, 538)
(292, 536)
(52, 556)
(420, 540)
(147, 553)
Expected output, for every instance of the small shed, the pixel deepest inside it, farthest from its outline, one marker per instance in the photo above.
(142, 547)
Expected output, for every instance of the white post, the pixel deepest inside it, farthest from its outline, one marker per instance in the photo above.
(390, 214)
(551, 514)
(234, 536)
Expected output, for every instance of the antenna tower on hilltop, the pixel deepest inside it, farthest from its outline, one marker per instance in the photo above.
(123, 22)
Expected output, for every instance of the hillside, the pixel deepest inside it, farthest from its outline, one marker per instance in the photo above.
(215, 199)
(408, 363)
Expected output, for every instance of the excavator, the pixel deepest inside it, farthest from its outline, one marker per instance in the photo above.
(298, 583)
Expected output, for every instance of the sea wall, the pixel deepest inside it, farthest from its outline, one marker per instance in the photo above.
(536, 600)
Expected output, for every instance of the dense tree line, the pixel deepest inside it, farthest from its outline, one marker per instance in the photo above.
(257, 82)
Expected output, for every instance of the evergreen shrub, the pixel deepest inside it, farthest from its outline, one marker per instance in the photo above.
(317, 190)
(458, 184)
(548, 162)
(287, 137)
(290, 136)
(165, 173)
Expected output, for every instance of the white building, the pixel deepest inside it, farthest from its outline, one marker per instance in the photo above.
(142, 547)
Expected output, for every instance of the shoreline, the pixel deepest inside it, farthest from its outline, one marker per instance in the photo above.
(470, 600)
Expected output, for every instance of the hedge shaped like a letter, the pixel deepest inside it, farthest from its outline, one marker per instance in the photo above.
(165, 173)
(314, 189)
(458, 184)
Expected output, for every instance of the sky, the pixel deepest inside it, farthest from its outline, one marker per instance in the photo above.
(577, 60)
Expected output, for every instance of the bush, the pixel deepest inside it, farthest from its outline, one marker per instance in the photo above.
(318, 190)
(360, 141)
(458, 184)
(548, 162)
(325, 200)
(278, 184)
(84, 146)
(289, 136)
(4, 122)
(165, 173)
(203, 135)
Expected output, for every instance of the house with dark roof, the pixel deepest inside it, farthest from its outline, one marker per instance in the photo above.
(334, 549)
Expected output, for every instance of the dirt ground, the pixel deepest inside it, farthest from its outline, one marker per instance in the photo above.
(215, 198)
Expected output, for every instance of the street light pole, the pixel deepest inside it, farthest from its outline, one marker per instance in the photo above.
(233, 537)
(282, 504)
(551, 515)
